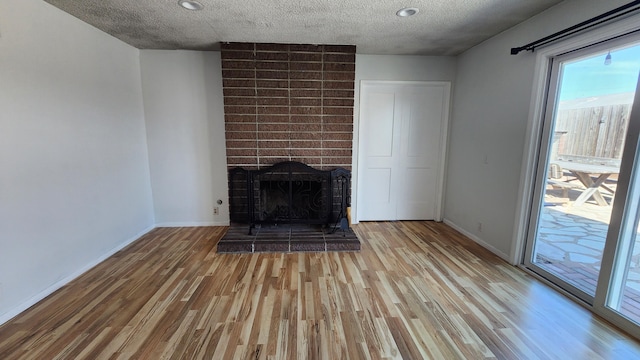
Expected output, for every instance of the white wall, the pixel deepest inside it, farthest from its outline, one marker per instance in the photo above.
(393, 68)
(184, 112)
(491, 106)
(185, 129)
(74, 178)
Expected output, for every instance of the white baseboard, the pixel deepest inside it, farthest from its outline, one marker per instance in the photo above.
(51, 289)
(193, 224)
(478, 240)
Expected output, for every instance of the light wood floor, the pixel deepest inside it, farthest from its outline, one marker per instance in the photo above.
(416, 290)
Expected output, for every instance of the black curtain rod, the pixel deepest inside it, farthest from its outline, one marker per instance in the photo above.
(594, 21)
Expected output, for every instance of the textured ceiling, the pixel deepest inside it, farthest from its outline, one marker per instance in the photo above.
(442, 27)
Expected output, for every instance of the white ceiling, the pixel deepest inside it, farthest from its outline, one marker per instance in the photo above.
(442, 27)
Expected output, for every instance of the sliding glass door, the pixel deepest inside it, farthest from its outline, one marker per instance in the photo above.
(585, 219)
(618, 295)
(623, 281)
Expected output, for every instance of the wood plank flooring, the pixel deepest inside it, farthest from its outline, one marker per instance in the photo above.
(416, 290)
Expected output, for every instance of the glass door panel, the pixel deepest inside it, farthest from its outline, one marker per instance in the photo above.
(621, 274)
(624, 289)
(581, 165)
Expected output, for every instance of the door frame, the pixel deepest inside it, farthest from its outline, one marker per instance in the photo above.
(626, 28)
(533, 135)
(444, 136)
(545, 144)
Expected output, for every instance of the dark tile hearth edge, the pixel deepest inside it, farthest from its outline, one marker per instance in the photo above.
(286, 239)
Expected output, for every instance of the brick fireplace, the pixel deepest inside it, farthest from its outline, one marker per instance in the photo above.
(288, 102)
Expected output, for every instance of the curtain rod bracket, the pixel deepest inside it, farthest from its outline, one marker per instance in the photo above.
(517, 50)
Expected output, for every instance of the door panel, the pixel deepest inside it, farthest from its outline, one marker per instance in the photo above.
(418, 201)
(426, 113)
(378, 145)
(378, 139)
(420, 153)
(401, 133)
(381, 206)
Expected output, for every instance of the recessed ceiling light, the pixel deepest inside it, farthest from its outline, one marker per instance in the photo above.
(191, 5)
(407, 12)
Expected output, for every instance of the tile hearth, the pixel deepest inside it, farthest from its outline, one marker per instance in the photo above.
(287, 238)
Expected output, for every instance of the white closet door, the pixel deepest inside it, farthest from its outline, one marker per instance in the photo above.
(378, 141)
(401, 150)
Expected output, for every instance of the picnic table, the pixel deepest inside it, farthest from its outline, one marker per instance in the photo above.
(592, 174)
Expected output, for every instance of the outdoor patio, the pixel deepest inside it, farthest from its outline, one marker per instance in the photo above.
(571, 241)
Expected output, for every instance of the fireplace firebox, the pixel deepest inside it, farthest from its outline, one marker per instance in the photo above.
(291, 201)
(289, 193)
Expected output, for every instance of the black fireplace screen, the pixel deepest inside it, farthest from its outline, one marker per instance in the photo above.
(288, 192)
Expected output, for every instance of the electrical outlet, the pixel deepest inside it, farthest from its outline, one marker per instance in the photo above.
(216, 211)
(1, 293)
(479, 227)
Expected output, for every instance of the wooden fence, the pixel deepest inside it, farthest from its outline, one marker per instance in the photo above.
(592, 131)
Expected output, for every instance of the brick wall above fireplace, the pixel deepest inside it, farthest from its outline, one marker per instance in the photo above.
(287, 102)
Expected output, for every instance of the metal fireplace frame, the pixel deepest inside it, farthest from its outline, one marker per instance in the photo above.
(245, 193)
